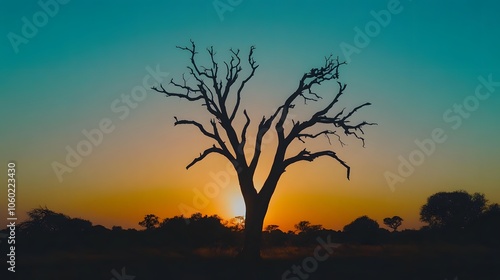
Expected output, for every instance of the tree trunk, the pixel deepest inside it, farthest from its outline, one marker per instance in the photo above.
(256, 204)
(254, 221)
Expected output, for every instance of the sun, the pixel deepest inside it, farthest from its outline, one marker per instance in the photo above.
(237, 206)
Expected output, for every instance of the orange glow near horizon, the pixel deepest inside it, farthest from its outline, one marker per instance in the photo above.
(111, 189)
(118, 185)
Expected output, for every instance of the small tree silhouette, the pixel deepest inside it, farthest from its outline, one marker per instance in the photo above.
(270, 228)
(44, 220)
(393, 222)
(150, 221)
(363, 230)
(306, 227)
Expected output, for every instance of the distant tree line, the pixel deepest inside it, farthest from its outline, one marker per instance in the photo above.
(452, 217)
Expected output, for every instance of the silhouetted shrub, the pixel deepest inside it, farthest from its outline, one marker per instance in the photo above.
(363, 230)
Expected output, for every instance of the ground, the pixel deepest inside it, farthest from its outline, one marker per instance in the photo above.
(347, 262)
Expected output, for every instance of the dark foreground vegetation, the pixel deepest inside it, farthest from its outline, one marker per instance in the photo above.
(462, 241)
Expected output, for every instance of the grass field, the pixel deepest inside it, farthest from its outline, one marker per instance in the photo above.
(346, 262)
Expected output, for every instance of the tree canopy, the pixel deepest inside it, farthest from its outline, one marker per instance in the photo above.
(363, 230)
(393, 222)
(453, 210)
(150, 221)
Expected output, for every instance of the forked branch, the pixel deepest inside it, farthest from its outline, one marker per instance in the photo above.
(206, 85)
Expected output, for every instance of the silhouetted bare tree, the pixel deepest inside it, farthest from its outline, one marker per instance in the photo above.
(212, 85)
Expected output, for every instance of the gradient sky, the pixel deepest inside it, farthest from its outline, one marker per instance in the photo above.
(64, 80)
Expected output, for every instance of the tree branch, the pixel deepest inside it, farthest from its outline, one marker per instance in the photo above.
(315, 76)
(263, 128)
(215, 135)
(179, 95)
(197, 124)
(254, 67)
(306, 155)
(324, 132)
(232, 71)
(244, 133)
(338, 121)
(343, 122)
(205, 93)
(208, 151)
(221, 142)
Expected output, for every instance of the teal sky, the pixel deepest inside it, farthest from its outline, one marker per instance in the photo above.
(65, 78)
